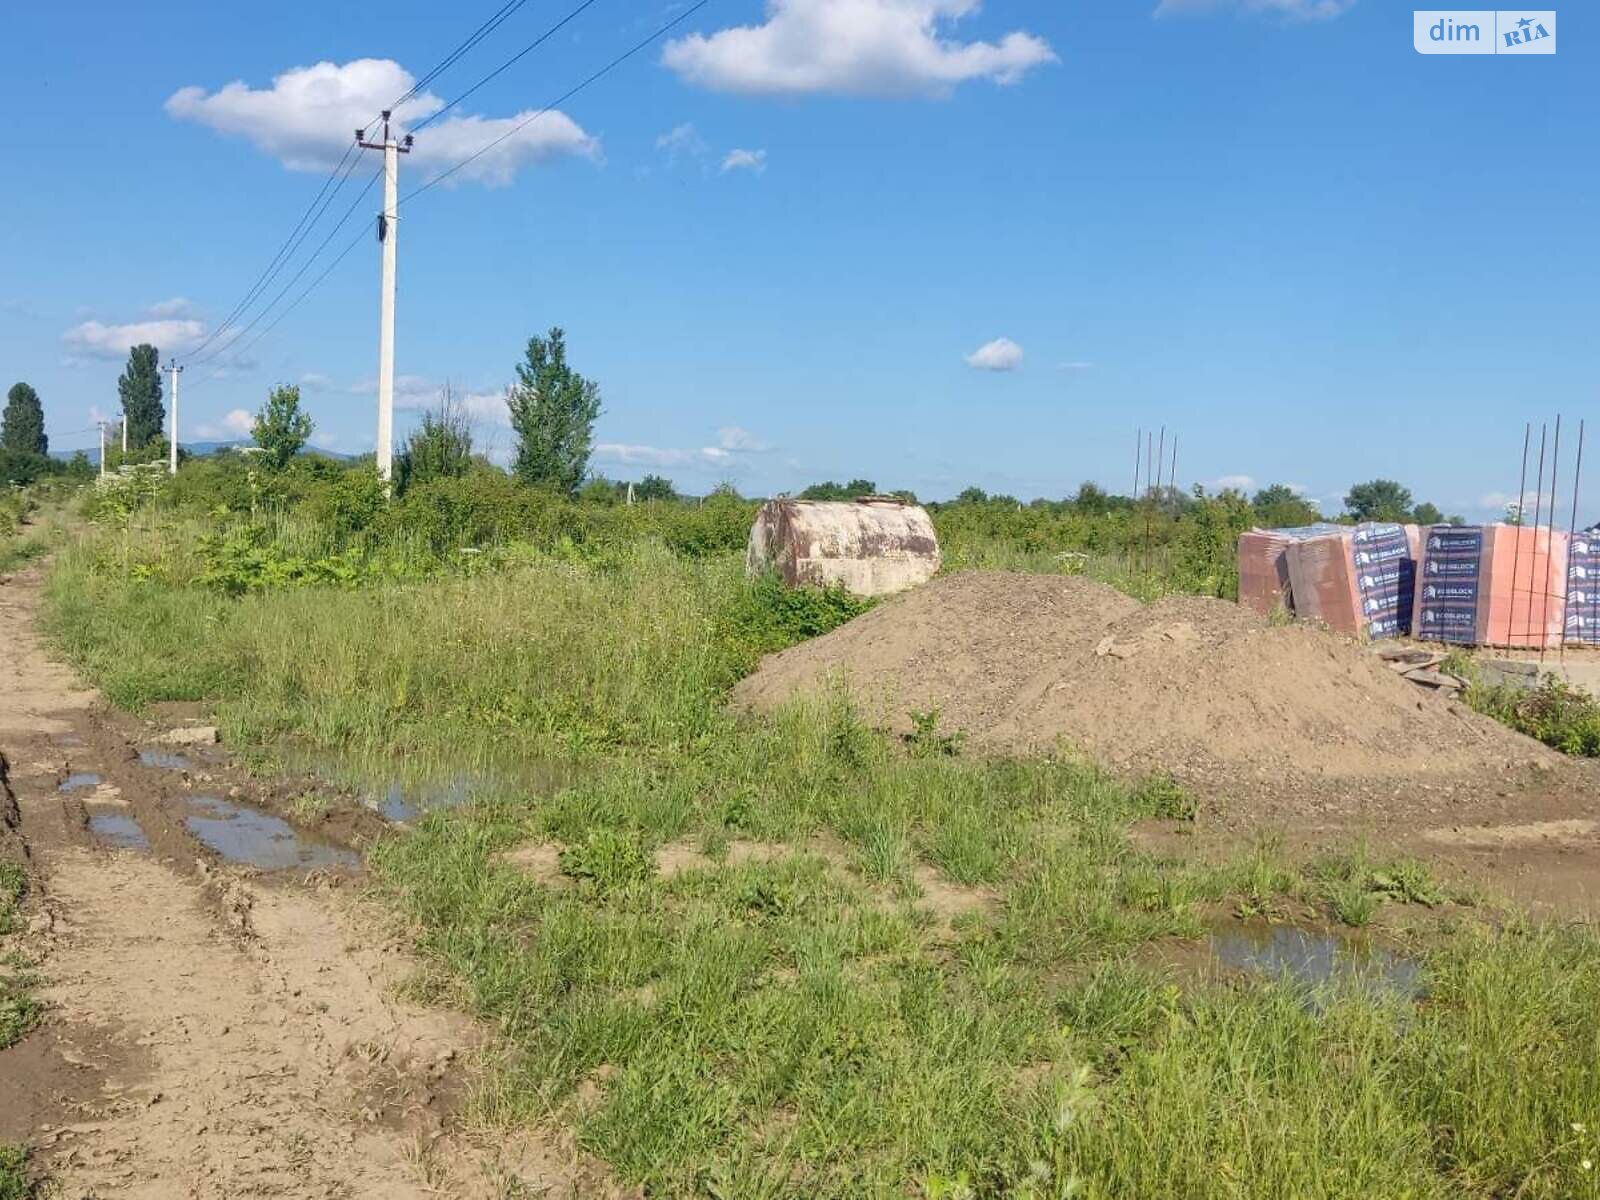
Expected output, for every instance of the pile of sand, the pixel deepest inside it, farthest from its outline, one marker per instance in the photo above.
(1200, 688)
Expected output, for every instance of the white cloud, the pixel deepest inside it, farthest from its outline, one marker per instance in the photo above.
(732, 442)
(175, 307)
(487, 406)
(1532, 502)
(1238, 483)
(644, 456)
(1002, 354)
(682, 141)
(1297, 10)
(745, 160)
(236, 423)
(309, 115)
(313, 381)
(93, 339)
(731, 437)
(418, 393)
(1298, 489)
(860, 47)
(412, 393)
(1075, 366)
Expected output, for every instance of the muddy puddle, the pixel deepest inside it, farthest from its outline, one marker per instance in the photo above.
(1316, 958)
(117, 829)
(167, 760)
(402, 796)
(246, 835)
(405, 802)
(79, 781)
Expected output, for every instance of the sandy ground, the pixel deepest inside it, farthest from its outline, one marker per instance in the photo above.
(213, 1030)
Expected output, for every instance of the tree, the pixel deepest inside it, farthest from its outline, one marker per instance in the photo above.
(830, 490)
(1427, 514)
(553, 410)
(440, 448)
(22, 426)
(1379, 500)
(1278, 507)
(972, 495)
(281, 428)
(655, 487)
(140, 390)
(1091, 499)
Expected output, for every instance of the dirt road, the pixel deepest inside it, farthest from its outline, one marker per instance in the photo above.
(214, 1030)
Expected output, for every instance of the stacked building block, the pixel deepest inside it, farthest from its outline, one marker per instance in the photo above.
(1264, 566)
(1356, 580)
(1448, 592)
(1492, 585)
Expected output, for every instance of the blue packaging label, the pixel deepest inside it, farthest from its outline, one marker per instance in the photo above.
(1385, 577)
(1451, 563)
(1582, 622)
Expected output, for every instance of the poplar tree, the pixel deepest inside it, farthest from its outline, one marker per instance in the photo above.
(22, 426)
(553, 410)
(140, 390)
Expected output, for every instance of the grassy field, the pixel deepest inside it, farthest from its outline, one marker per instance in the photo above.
(792, 957)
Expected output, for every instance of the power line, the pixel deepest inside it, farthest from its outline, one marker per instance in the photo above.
(484, 29)
(477, 35)
(310, 287)
(562, 99)
(274, 266)
(307, 220)
(315, 254)
(510, 62)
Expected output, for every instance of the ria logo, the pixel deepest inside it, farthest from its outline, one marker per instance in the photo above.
(1528, 31)
(1484, 31)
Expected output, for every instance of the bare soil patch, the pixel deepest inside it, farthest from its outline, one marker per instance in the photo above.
(212, 1031)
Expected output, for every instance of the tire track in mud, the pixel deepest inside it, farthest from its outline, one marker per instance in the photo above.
(214, 1031)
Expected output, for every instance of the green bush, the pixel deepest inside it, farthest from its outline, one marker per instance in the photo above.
(768, 616)
(353, 501)
(1557, 713)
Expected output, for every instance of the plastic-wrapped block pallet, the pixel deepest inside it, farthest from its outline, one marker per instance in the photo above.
(1386, 575)
(1583, 588)
(1527, 595)
(1358, 581)
(1492, 585)
(1264, 565)
(1447, 594)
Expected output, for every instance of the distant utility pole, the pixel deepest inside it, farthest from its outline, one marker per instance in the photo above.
(124, 435)
(387, 220)
(172, 450)
(102, 425)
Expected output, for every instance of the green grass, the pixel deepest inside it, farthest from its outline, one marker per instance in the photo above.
(13, 883)
(14, 1183)
(19, 1010)
(944, 975)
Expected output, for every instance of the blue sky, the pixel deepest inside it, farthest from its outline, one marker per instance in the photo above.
(919, 241)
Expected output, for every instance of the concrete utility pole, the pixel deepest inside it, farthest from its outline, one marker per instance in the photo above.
(102, 425)
(172, 450)
(124, 435)
(387, 220)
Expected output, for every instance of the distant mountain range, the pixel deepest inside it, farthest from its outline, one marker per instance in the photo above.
(200, 450)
